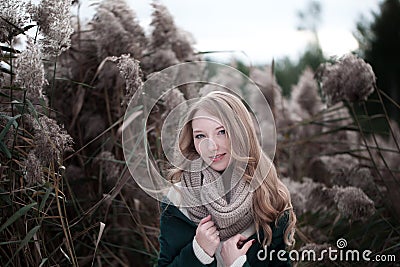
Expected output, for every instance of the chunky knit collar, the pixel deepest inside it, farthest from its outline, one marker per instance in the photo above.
(204, 193)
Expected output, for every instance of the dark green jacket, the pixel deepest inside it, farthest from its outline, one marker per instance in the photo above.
(177, 233)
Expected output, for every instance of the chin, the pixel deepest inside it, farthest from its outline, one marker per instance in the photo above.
(220, 166)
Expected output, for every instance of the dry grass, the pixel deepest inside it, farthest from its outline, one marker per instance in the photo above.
(66, 196)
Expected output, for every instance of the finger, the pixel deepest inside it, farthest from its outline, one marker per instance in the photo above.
(207, 225)
(242, 238)
(238, 237)
(247, 245)
(205, 219)
(212, 229)
(215, 235)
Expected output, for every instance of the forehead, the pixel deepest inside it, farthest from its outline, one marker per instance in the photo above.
(203, 119)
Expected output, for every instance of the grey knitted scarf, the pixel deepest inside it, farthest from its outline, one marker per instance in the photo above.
(204, 193)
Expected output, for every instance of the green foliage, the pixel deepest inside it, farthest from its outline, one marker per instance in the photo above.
(242, 68)
(55, 219)
(379, 45)
(288, 71)
(17, 215)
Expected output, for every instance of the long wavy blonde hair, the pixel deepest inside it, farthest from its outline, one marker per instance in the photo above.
(271, 198)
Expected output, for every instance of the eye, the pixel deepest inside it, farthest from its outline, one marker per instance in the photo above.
(222, 132)
(199, 136)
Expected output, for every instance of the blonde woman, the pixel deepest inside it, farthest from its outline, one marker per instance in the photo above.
(228, 206)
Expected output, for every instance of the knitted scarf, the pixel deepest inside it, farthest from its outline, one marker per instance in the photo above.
(204, 193)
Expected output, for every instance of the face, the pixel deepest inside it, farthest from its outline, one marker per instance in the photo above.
(211, 140)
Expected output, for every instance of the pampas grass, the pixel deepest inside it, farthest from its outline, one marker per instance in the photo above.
(63, 173)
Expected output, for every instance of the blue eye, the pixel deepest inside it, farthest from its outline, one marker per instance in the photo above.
(199, 136)
(222, 132)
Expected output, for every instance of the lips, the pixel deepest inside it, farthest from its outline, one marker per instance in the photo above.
(217, 157)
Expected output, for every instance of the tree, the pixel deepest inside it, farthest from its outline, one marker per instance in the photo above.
(379, 45)
(287, 71)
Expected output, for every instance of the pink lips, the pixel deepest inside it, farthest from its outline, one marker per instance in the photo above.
(217, 157)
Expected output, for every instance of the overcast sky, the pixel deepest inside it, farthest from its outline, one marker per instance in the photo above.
(260, 30)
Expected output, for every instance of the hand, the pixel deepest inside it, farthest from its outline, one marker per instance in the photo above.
(207, 236)
(230, 248)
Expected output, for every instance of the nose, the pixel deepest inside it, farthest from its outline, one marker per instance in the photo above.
(210, 144)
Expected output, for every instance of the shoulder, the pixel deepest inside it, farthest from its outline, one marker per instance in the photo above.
(175, 225)
(260, 255)
(278, 228)
(174, 194)
(171, 200)
(171, 209)
(282, 220)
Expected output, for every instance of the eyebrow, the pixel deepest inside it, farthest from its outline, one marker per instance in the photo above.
(199, 131)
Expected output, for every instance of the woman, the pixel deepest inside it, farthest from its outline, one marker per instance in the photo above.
(228, 208)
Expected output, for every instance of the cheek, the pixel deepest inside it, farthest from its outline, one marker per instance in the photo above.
(197, 145)
(227, 145)
(201, 146)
